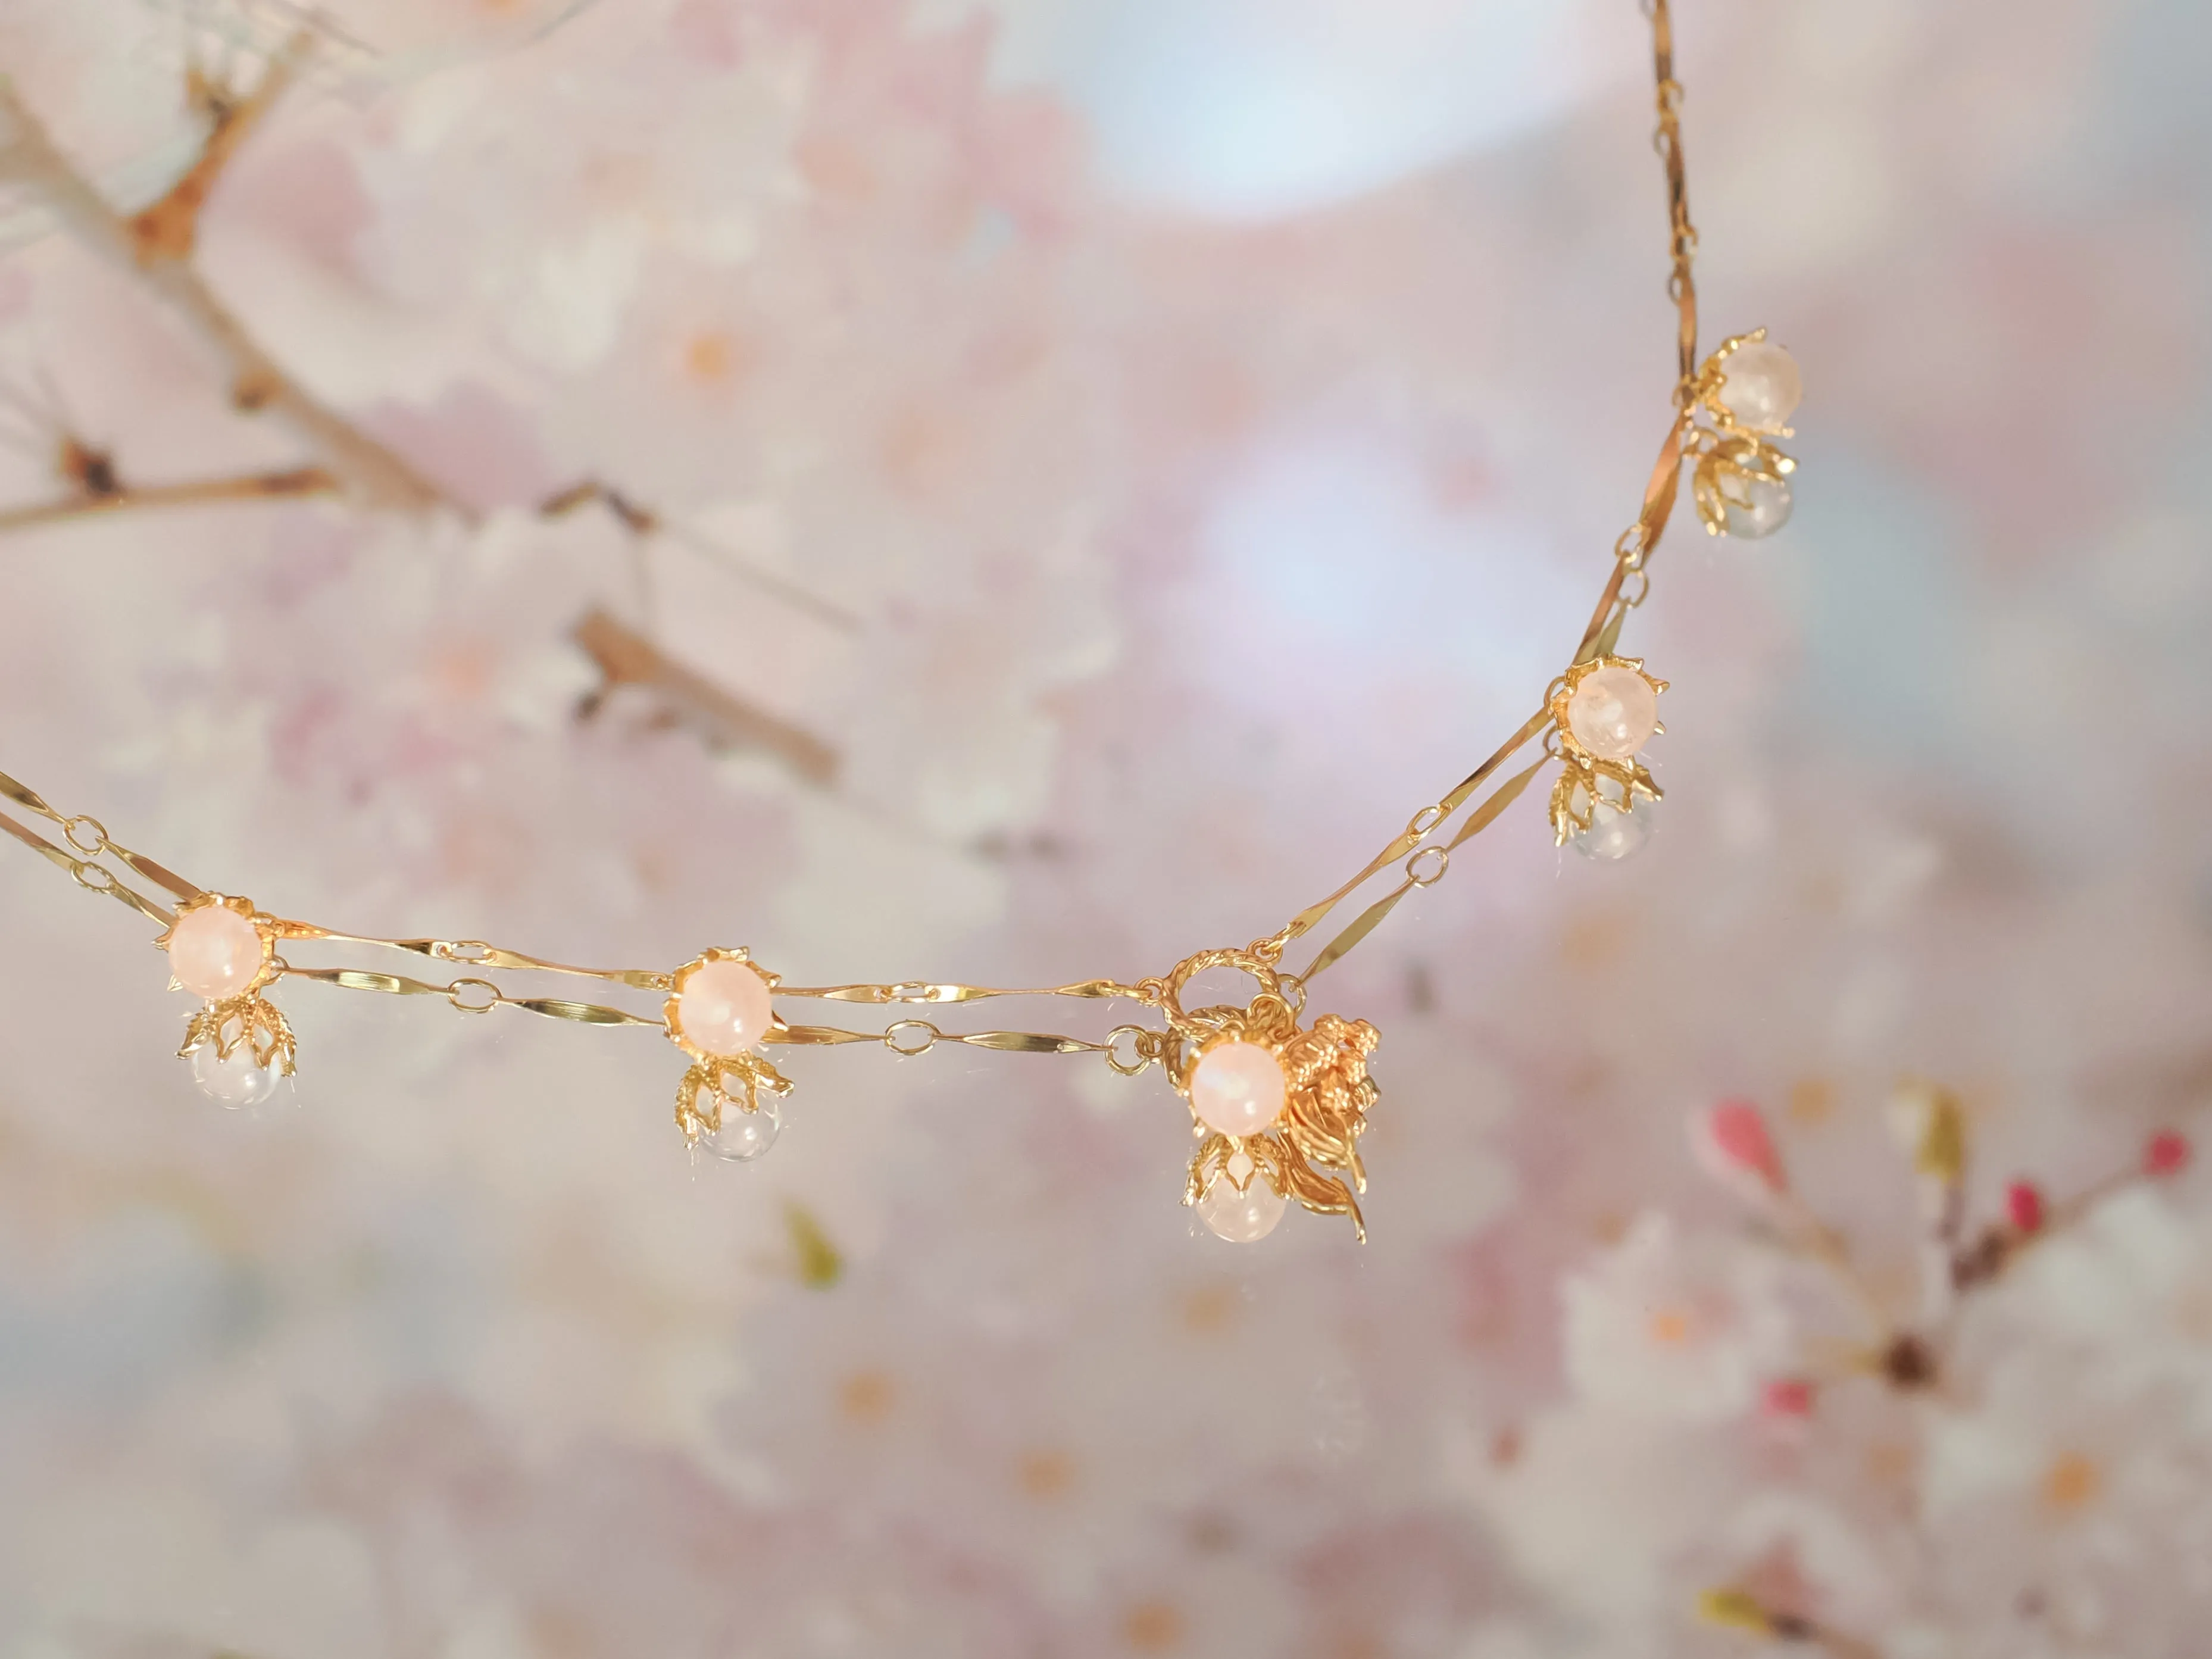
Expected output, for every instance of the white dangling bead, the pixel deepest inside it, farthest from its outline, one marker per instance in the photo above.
(745, 1135)
(1761, 385)
(239, 1080)
(1241, 1217)
(1616, 832)
(1753, 507)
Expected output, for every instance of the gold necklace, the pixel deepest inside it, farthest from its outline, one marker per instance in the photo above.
(1277, 1106)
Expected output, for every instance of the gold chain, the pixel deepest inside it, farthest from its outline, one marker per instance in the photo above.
(1329, 1058)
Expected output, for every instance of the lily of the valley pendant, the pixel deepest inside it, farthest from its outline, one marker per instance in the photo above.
(224, 950)
(1749, 389)
(1603, 711)
(720, 1009)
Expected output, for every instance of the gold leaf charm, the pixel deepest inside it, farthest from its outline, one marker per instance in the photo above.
(719, 1011)
(1278, 1110)
(1589, 779)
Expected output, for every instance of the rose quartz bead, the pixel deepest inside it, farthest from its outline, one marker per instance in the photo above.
(724, 1008)
(1613, 713)
(214, 952)
(1236, 1088)
(1761, 387)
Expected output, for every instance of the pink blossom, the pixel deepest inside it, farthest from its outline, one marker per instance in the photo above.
(2024, 1206)
(1732, 1145)
(1787, 1397)
(2165, 1153)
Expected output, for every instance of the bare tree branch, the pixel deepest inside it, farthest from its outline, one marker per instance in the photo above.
(625, 657)
(643, 521)
(362, 466)
(122, 498)
(170, 227)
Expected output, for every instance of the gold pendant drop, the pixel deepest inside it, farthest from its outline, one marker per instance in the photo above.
(224, 951)
(1603, 712)
(720, 1009)
(1278, 1110)
(1747, 389)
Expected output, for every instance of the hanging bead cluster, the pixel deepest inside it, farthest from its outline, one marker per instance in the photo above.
(1749, 389)
(224, 951)
(720, 1009)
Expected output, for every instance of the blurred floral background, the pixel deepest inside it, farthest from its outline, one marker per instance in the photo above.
(1082, 472)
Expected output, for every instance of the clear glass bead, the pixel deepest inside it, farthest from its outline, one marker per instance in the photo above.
(745, 1135)
(1616, 832)
(1241, 1217)
(1753, 507)
(239, 1080)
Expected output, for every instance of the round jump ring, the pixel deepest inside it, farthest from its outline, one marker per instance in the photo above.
(1139, 1042)
(98, 835)
(1429, 879)
(899, 1045)
(492, 993)
(84, 873)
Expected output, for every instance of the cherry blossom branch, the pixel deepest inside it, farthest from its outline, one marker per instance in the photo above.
(2030, 1220)
(194, 492)
(723, 720)
(170, 227)
(1812, 1237)
(643, 521)
(155, 247)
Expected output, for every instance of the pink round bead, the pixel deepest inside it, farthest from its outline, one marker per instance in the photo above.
(214, 952)
(1236, 1088)
(724, 1008)
(1613, 713)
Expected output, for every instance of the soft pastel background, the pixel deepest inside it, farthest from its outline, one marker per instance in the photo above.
(1216, 415)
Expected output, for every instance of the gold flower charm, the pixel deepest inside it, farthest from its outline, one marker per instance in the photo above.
(1740, 480)
(1274, 1108)
(1604, 711)
(223, 951)
(720, 1009)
